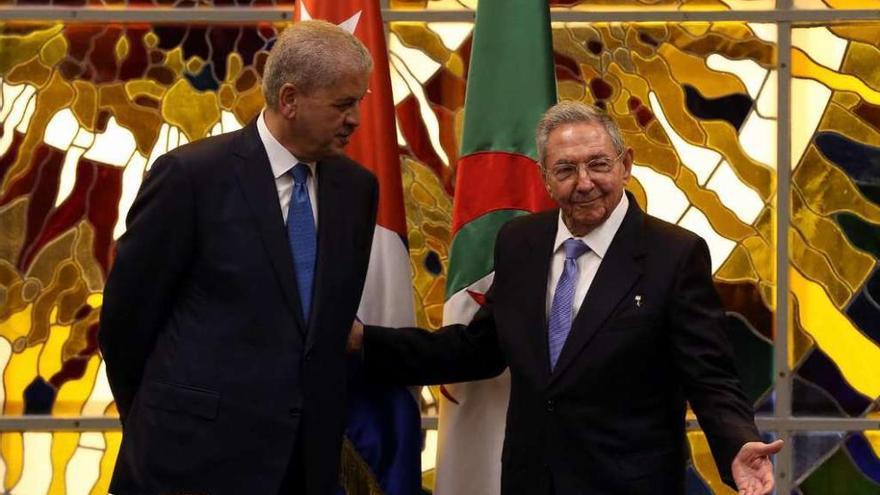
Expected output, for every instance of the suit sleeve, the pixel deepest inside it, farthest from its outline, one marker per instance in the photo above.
(704, 359)
(151, 258)
(454, 353)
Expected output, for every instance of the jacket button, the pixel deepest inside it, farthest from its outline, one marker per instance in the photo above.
(551, 405)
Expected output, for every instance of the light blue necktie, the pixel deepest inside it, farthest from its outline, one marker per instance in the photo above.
(302, 236)
(563, 298)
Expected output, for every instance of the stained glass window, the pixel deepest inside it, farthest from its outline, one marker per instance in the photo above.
(835, 198)
(86, 108)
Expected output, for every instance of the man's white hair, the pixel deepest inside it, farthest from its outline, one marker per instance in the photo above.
(310, 55)
(573, 112)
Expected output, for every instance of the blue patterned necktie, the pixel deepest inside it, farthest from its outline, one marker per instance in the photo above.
(563, 298)
(301, 234)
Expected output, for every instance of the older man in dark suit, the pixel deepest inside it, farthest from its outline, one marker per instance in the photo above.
(226, 312)
(609, 323)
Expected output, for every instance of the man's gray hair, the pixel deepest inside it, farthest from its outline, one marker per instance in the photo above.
(573, 112)
(311, 55)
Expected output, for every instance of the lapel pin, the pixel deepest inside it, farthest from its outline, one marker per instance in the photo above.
(638, 301)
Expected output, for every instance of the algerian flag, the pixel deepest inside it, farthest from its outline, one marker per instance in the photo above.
(510, 84)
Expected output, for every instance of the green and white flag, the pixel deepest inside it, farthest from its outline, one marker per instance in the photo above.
(510, 84)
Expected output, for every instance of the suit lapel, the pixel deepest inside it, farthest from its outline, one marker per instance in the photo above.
(536, 270)
(619, 271)
(332, 222)
(258, 184)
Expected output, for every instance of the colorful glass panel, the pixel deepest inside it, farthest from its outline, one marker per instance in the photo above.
(835, 197)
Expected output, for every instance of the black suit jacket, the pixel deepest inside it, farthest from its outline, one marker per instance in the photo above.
(609, 419)
(217, 378)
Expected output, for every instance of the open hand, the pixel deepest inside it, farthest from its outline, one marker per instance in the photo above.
(752, 469)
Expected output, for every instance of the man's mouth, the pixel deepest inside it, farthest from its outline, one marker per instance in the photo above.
(584, 202)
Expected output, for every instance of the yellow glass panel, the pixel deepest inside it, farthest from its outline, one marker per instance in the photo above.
(50, 359)
(174, 60)
(143, 122)
(83, 256)
(64, 445)
(12, 450)
(417, 34)
(112, 440)
(19, 373)
(855, 355)
(738, 267)
(638, 191)
(54, 50)
(144, 87)
(827, 190)
(818, 267)
(33, 72)
(733, 40)
(803, 66)
(194, 64)
(846, 100)
(705, 464)
(248, 104)
(853, 266)
(857, 31)
(861, 61)
(656, 71)
(13, 217)
(799, 342)
(85, 105)
(17, 325)
(837, 4)
(570, 90)
(842, 121)
(724, 221)
(121, 48)
(54, 96)
(16, 49)
(723, 138)
(873, 436)
(692, 70)
(570, 41)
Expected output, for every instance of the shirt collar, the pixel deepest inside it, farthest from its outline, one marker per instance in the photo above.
(598, 239)
(280, 158)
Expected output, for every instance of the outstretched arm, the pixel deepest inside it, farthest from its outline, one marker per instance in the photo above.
(414, 356)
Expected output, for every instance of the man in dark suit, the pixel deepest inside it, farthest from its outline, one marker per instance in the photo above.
(226, 312)
(609, 323)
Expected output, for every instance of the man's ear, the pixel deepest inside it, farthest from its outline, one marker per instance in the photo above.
(288, 100)
(546, 179)
(627, 164)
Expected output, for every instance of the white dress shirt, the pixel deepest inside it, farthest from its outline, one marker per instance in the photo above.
(282, 160)
(598, 241)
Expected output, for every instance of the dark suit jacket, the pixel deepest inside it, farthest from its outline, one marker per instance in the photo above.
(217, 378)
(610, 418)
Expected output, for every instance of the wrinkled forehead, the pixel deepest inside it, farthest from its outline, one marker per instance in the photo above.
(579, 141)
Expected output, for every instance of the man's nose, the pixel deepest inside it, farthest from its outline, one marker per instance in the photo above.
(353, 116)
(584, 181)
